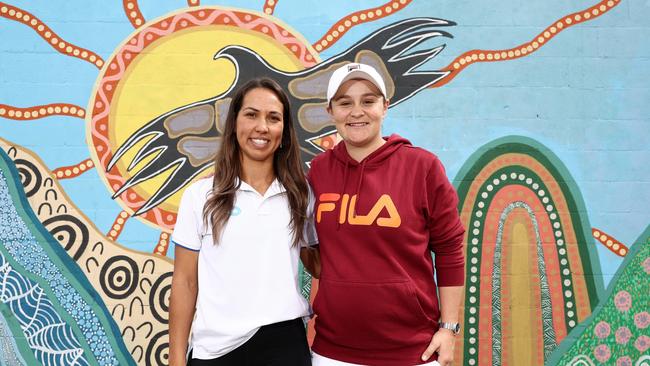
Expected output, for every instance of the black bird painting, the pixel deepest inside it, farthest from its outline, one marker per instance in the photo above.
(185, 139)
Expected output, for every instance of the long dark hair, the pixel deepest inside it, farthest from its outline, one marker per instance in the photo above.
(228, 167)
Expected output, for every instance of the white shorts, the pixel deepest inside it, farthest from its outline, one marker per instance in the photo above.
(318, 360)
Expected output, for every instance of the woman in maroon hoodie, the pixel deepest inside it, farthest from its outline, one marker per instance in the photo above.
(382, 206)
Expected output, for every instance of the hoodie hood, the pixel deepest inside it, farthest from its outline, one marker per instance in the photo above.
(393, 143)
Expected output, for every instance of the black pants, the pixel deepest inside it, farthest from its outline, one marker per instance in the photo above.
(278, 344)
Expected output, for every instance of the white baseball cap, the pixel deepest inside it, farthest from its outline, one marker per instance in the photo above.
(354, 71)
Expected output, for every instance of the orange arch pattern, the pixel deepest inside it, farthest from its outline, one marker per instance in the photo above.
(527, 260)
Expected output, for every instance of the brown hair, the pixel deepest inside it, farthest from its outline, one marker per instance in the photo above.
(227, 166)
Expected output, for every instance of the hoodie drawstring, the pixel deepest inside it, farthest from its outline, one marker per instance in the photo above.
(358, 192)
(345, 181)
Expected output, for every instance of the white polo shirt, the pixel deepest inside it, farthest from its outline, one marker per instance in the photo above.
(250, 278)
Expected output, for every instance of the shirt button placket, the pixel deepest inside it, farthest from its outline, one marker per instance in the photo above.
(262, 209)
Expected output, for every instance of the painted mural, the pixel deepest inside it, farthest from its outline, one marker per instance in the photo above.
(538, 109)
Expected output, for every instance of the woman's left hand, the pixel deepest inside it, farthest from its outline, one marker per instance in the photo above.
(442, 342)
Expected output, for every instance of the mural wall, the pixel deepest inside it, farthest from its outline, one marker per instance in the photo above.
(538, 109)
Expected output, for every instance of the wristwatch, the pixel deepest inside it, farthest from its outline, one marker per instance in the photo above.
(454, 327)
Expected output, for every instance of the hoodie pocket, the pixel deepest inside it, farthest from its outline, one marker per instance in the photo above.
(369, 316)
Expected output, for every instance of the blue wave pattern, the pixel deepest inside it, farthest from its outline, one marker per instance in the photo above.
(51, 341)
(50, 338)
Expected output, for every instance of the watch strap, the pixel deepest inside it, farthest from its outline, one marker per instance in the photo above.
(454, 327)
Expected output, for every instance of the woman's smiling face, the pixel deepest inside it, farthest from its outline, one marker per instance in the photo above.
(259, 126)
(358, 109)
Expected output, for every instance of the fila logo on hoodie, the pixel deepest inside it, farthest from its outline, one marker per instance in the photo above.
(347, 212)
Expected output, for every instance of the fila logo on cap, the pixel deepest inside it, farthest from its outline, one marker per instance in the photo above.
(353, 67)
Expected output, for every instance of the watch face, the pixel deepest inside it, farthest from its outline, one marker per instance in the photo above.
(457, 328)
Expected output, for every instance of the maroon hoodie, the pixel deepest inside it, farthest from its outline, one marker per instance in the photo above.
(377, 222)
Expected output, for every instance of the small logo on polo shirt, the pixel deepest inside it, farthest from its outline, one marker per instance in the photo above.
(235, 211)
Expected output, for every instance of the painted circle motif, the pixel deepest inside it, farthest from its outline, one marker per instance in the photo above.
(158, 349)
(30, 177)
(166, 64)
(159, 297)
(70, 232)
(119, 277)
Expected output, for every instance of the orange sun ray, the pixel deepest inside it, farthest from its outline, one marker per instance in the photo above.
(41, 111)
(269, 6)
(163, 244)
(118, 225)
(20, 15)
(133, 13)
(610, 242)
(342, 26)
(193, 2)
(66, 172)
(473, 56)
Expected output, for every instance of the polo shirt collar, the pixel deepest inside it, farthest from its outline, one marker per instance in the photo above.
(275, 188)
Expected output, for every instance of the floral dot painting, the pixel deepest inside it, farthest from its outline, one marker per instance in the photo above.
(618, 332)
(623, 335)
(624, 361)
(602, 330)
(642, 343)
(641, 320)
(602, 353)
(623, 301)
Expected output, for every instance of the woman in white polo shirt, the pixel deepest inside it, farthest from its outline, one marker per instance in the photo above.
(238, 237)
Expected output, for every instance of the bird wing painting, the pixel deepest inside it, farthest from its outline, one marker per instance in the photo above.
(186, 138)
